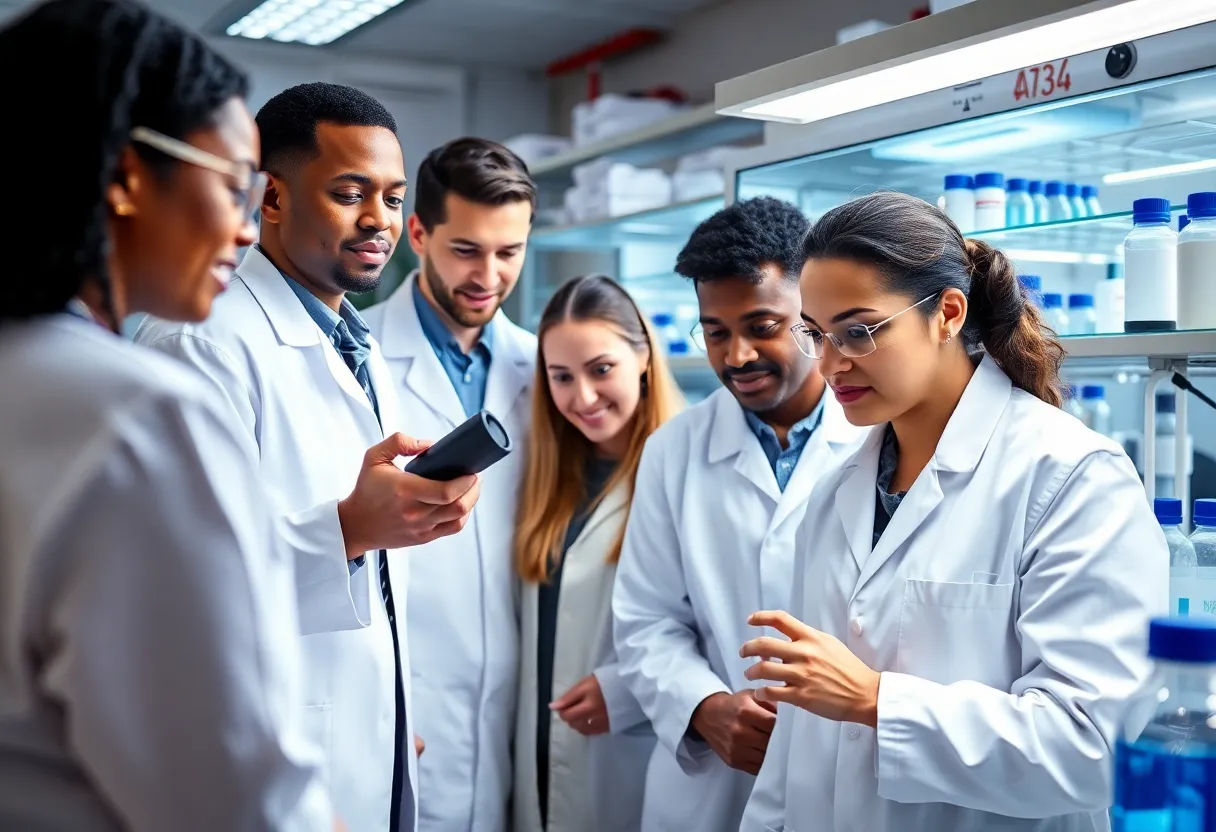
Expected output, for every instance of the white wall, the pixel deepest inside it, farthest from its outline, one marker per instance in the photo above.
(728, 39)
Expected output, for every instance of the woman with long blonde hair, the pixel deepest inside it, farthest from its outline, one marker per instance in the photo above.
(602, 387)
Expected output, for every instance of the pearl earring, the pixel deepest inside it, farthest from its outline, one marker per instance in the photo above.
(949, 338)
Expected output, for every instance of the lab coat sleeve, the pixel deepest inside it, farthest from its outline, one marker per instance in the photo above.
(1094, 570)
(653, 622)
(331, 596)
(168, 644)
(766, 804)
(624, 712)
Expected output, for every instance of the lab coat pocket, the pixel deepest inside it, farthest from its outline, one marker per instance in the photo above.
(319, 723)
(950, 632)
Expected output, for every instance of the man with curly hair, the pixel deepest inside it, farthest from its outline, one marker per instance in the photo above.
(720, 491)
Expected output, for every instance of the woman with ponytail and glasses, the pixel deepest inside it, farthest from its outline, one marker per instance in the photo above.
(974, 584)
(149, 650)
(602, 388)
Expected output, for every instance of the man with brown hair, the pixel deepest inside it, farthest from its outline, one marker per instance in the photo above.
(452, 352)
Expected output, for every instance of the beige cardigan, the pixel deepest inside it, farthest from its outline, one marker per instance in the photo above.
(596, 784)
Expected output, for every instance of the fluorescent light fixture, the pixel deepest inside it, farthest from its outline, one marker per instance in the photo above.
(1159, 172)
(974, 41)
(314, 22)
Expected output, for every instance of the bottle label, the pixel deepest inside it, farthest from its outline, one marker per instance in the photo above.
(1192, 596)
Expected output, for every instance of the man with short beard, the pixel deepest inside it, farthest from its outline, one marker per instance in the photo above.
(452, 352)
(310, 392)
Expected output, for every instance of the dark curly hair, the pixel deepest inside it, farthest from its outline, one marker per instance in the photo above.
(741, 239)
(117, 65)
(288, 122)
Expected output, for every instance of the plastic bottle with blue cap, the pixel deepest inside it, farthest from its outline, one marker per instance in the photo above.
(1082, 318)
(1097, 411)
(1197, 264)
(1204, 541)
(1072, 192)
(1019, 207)
(958, 201)
(1053, 313)
(1035, 188)
(1089, 194)
(1165, 752)
(1058, 206)
(1150, 269)
(670, 334)
(989, 201)
(1182, 554)
(1033, 284)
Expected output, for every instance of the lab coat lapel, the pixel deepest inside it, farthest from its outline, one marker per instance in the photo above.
(958, 453)
(510, 370)
(855, 499)
(731, 436)
(614, 502)
(404, 340)
(295, 328)
(822, 452)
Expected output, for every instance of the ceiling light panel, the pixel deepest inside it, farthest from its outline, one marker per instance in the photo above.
(312, 22)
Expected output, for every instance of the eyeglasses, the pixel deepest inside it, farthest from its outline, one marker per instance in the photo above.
(251, 182)
(855, 341)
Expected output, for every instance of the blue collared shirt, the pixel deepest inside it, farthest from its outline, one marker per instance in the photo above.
(784, 460)
(467, 371)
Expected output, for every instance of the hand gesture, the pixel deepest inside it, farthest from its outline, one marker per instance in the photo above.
(390, 509)
(818, 673)
(583, 707)
(737, 727)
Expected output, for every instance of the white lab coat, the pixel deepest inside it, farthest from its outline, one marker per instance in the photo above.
(709, 541)
(595, 783)
(1007, 603)
(304, 415)
(464, 593)
(149, 668)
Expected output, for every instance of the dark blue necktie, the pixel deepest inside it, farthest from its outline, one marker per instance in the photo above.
(355, 354)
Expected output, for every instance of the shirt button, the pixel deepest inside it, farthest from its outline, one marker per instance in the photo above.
(857, 628)
(854, 733)
(468, 377)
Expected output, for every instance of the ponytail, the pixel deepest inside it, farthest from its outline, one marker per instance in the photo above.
(1009, 325)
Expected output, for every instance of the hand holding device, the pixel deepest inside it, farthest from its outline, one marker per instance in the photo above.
(470, 449)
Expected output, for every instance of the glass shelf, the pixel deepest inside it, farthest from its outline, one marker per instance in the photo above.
(1091, 240)
(670, 223)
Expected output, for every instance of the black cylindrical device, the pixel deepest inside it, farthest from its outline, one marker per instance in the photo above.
(469, 449)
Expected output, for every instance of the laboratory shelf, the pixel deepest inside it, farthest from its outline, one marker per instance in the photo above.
(694, 129)
(1197, 345)
(670, 223)
(1094, 240)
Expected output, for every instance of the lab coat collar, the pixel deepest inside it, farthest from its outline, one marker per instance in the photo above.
(288, 317)
(959, 450)
(974, 419)
(402, 338)
(730, 434)
(614, 502)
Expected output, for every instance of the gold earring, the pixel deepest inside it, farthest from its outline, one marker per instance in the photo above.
(124, 209)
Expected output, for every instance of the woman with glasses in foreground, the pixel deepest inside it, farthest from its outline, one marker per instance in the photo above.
(148, 638)
(975, 583)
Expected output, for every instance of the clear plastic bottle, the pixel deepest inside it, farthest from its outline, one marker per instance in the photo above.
(1072, 192)
(1033, 284)
(989, 201)
(1150, 269)
(1097, 411)
(1182, 554)
(1109, 296)
(1197, 264)
(1165, 756)
(1082, 319)
(1035, 189)
(959, 201)
(1089, 193)
(1058, 206)
(1204, 541)
(1072, 403)
(1053, 312)
(1019, 207)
